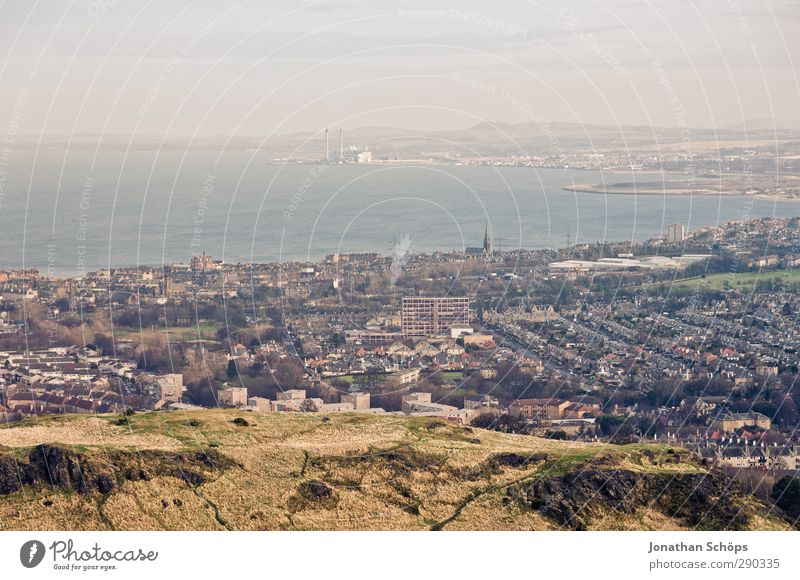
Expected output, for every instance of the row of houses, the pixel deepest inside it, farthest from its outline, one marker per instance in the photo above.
(79, 380)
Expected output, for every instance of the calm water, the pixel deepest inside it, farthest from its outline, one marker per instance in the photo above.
(68, 214)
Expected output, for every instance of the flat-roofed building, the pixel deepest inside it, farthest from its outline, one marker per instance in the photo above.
(420, 403)
(411, 400)
(358, 400)
(164, 388)
(434, 316)
(291, 395)
(233, 396)
(260, 404)
(538, 408)
(406, 376)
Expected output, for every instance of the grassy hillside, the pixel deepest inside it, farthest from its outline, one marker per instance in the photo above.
(208, 470)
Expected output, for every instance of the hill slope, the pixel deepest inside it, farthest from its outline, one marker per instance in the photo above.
(210, 470)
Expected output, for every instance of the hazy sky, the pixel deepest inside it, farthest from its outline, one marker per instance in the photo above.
(181, 67)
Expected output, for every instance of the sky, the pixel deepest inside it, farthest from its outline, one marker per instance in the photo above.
(251, 68)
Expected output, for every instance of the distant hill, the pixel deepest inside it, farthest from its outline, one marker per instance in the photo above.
(483, 139)
(765, 125)
(221, 469)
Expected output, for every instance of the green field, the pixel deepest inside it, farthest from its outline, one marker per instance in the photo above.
(744, 281)
(207, 331)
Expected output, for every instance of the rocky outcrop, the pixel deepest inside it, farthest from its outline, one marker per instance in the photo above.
(313, 495)
(99, 472)
(703, 501)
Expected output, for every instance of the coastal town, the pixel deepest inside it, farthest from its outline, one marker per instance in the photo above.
(689, 339)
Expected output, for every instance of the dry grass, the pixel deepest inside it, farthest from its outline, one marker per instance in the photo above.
(383, 473)
(83, 432)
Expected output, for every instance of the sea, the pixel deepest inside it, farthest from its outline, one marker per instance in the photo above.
(67, 213)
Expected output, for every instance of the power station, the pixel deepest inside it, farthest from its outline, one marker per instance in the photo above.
(353, 154)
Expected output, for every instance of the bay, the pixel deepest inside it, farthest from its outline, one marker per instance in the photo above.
(67, 213)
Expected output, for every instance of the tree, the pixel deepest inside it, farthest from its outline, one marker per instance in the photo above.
(786, 494)
(436, 378)
(288, 374)
(201, 393)
(232, 370)
(105, 343)
(766, 408)
(615, 427)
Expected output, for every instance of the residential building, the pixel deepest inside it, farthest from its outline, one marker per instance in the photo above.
(434, 316)
(538, 409)
(233, 396)
(733, 421)
(164, 388)
(407, 376)
(357, 400)
(260, 404)
(292, 394)
(676, 233)
(421, 404)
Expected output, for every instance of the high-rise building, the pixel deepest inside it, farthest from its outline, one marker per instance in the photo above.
(433, 316)
(676, 233)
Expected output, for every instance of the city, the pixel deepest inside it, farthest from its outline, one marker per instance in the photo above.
(689, 340)
(270, 269)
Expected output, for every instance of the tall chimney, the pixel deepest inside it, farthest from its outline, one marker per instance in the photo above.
(341, 145)
(327, 154)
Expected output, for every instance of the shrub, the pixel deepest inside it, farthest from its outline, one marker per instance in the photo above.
(559, 435)
(786, 494)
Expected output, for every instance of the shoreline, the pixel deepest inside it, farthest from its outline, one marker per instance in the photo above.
(611, 190)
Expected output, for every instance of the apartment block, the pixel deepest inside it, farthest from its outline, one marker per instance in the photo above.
(434, 316)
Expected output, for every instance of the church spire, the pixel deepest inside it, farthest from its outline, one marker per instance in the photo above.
(487, 243)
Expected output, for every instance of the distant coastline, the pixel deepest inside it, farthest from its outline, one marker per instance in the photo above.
(704, 187)
(616, 189)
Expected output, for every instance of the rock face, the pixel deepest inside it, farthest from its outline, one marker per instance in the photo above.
(100, 472)
(68, 470)
(705, 501)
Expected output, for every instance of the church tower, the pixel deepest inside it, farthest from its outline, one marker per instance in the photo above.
(487, 242)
